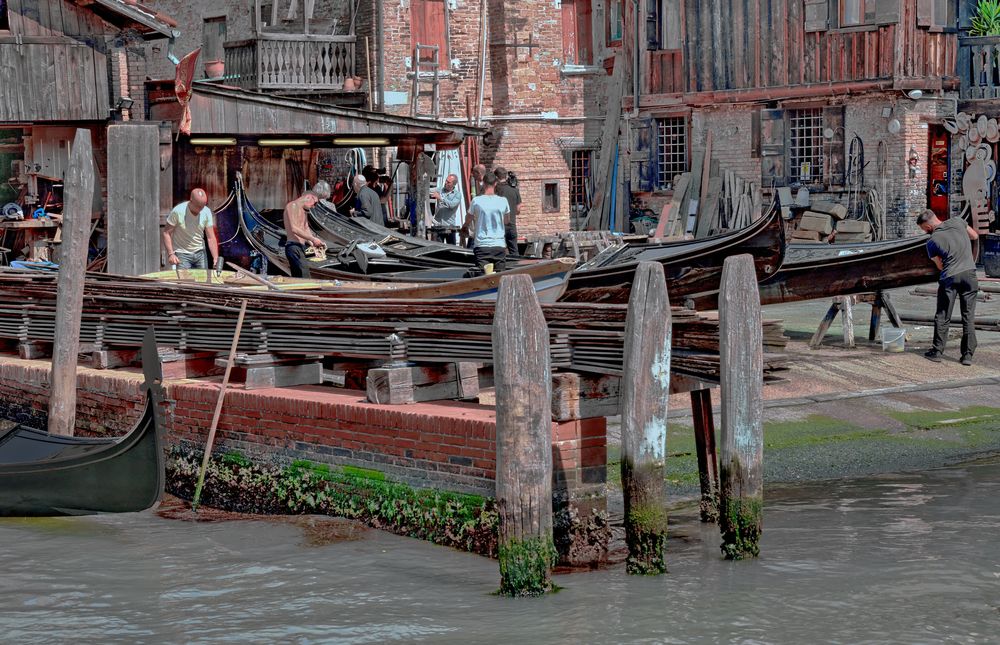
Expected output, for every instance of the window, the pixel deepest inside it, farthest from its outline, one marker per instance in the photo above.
(852, 12)
(265, 14)
(578, 39)
(579, 175)
(806, 141)
(4, 20)
(213, 36)
(671, 150)
(614, 22)
(429, 26)
(663, 25)
(550, 197)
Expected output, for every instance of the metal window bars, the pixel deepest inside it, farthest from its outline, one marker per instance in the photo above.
(806, 145)
(671, 150)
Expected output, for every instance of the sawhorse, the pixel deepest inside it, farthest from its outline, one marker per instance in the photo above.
(879, 301)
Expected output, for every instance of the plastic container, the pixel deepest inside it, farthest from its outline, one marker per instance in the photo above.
(893, 340)
(991, 254)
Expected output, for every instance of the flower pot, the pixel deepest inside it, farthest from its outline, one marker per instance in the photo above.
(215, 68)
(349, 85)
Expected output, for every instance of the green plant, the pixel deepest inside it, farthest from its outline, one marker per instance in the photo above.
(986, 22)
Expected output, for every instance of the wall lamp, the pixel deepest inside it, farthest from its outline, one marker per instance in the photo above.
(124, 103)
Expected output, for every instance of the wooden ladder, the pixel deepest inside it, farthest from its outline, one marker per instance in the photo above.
(431, 65)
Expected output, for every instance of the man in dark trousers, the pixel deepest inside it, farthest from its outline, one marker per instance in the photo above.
(950, 248)
(485, 223)
(508, 189)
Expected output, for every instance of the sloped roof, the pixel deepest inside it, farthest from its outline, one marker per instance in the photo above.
(127, 13)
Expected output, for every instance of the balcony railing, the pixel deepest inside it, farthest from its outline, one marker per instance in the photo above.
(290, 62)
(979, 67)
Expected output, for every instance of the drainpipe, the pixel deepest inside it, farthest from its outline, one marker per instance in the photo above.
(380, 53)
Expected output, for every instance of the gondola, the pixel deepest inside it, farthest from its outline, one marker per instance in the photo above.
(692, 267)
(44, 475)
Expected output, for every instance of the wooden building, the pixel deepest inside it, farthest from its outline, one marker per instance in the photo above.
(66, 65)
(845, 98)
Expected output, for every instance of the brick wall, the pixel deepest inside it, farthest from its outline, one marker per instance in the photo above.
(451, 446)
(190, 17)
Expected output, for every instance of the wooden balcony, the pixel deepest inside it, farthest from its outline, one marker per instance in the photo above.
(290, 62)
(979, 67)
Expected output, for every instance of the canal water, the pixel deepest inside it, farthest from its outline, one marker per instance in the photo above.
(912, 558)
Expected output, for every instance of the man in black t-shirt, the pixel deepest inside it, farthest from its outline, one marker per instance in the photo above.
(513, 195)
(950, 248)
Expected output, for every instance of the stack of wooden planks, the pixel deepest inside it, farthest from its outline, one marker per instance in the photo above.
(826, 222)
(201, 317)
(708, 201)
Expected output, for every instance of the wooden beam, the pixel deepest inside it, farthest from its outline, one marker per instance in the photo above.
(708, 465)
(78, 199)
(645, 395)
(741, 495)
(524, 440)
(401, 385)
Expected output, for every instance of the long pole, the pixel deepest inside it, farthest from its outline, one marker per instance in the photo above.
(69, 294)
(218, 407)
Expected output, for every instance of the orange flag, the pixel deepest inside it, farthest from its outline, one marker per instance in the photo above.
(183, 80)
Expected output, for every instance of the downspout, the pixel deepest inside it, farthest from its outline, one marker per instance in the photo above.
(380, 54)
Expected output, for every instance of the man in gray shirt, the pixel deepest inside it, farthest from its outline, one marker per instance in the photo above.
(368, 202)
(950, 248)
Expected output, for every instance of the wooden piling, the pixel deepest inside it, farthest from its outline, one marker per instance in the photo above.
(645, 390)
(524, 440)
(78, 203)
(741, 460)
(708, 465)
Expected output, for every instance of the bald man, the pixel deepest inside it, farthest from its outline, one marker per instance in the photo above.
(188, 226)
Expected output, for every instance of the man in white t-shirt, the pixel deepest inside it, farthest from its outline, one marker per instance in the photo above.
(487, 219)
(189, 225)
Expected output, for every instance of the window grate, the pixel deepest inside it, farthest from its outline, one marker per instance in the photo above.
(671, 150)
(806, 146)
(579, 174)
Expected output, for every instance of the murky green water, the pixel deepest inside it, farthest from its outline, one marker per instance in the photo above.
(902, 558)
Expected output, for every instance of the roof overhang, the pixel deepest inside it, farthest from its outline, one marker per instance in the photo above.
(247, 116)
(150, 23)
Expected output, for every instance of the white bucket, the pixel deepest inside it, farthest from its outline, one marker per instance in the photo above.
(893, 340)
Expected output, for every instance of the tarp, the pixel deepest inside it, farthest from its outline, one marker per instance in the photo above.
(183, 87)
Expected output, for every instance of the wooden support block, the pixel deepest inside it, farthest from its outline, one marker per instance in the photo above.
(32, 350)
(584, 396)
(353, 373)
(847, 314)
(853, 226)
(805, 236)
(110, 359)
(255, 378)
(837, 211)
(816, 222)
(401, 385)
(178, 365)
(824, 326)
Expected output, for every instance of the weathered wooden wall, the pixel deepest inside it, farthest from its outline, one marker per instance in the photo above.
(53, 63)
(745, 44)
(133, 199)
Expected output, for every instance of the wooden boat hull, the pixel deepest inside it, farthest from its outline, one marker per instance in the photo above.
(43, 475)
(692, 267)
(839, 270)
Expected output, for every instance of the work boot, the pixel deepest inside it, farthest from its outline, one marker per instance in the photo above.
(966, 359)
(933, 355)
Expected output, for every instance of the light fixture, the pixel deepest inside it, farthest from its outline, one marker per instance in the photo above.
(213, 141)
(915, 94)
(124, 103)
(894, 126)
(286, 143)
(360, 141)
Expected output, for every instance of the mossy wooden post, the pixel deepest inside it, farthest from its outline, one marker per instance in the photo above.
(645, 390)
(741, 495)
(78, 200)
(524, 439)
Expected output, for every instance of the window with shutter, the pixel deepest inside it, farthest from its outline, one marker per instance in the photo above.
(852, 12)
(213, 36)
(663, 25)
(4, 20)
(772, 147)
(614, 25)
(817, 15)
(882, 12)
(429, 26)
(578, 41)
(833, 124)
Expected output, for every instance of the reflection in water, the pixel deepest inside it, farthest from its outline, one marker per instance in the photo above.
(900, 558)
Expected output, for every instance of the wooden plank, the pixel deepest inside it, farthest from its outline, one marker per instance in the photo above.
(523, 439)
(708, 463)
(79, 195)
(677, 214)
(795, 35)
(401, 385)
(133, 198)
(645, 392)
(741, 460)
(584, 396)
(706, 169)
(708, 217)
(609, 138)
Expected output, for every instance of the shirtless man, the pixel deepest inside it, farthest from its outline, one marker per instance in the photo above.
(298, 231)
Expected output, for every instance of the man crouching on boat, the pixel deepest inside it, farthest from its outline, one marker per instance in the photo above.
(189, 225)
(298, 231)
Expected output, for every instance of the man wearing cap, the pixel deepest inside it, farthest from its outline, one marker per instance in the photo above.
(189, 225)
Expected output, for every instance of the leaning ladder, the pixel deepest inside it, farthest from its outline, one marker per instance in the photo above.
(429, 65)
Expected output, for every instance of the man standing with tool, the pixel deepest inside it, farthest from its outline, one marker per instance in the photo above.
(950, 248)
(189, 225)
(298, 231)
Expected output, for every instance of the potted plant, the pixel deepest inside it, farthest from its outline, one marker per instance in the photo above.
(215, 68)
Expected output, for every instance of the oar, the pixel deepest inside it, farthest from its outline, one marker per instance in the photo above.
(218, 408)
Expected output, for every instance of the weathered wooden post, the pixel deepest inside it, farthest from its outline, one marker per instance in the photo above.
(524, 439)
(741, 495)
(645, 391)
(78, 203)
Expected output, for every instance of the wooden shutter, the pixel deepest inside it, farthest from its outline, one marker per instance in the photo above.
(817, 15)
(966, 11)
(925, 13)
(428, 26)
(882, 12)
(833, 118)
(644, 157)
(569, 21)
(772, 148)
(577, 33)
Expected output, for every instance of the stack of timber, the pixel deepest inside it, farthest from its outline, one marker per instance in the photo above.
(826, 222)
(118, 309)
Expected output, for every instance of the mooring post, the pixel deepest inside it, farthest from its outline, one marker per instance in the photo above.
(524, 439)
(78, 201)
(704, 442)
(741, 495)
(645, 391)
